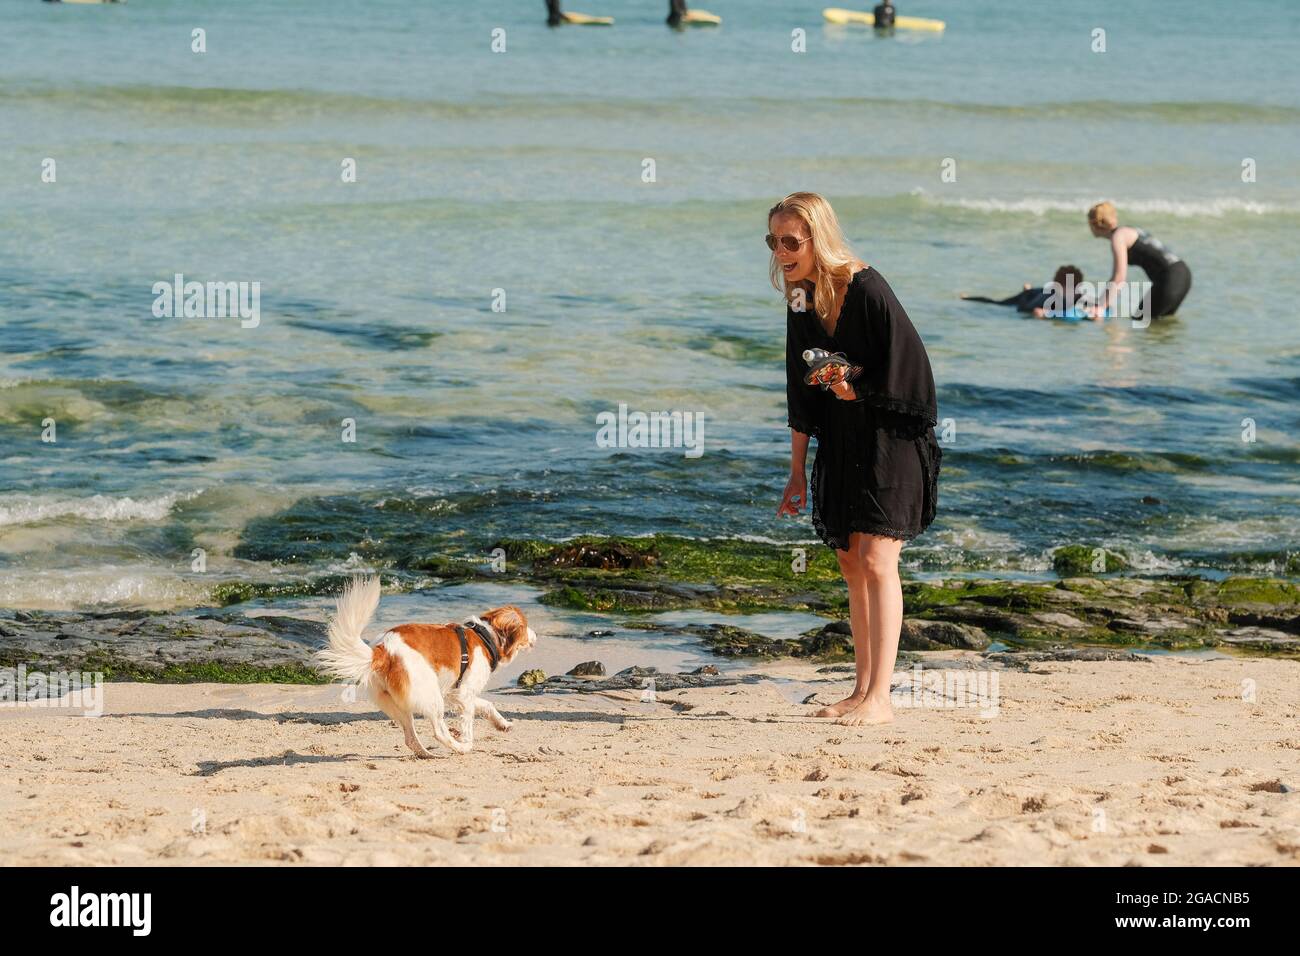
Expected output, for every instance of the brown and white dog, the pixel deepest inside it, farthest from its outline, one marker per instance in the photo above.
(416, 669)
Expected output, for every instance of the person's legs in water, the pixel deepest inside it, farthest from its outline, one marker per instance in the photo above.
(1024, 300)
(554, 16)
(876, 617)
(1168, 294)
(676, 10)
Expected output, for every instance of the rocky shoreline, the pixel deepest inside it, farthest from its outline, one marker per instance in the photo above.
(1005, 623)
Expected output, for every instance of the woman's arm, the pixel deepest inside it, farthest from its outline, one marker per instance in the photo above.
(798, 452)
(803, 402)
(1118, 272)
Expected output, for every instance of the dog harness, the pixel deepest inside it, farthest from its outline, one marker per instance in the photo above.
(494, 656)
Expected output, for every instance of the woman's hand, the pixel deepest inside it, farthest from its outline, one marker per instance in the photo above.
(795, 497)
(844, 390)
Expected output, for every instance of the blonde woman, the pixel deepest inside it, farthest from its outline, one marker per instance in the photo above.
(875, 476)
(1170, 277)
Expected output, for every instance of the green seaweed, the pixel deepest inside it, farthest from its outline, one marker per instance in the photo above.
(190, 672)
(1078, 559)
(1241, 590)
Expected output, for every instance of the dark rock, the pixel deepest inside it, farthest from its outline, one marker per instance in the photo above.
(921, 634)
(1259, 638)
(637, 671)
(1126, 624)
(607, 556)
(1271, 619)
(150, 642)
(309, 633)
(727, 640)
(988, 618)
(643, 678)
(1058, 619)
(1022, 659)
(809, 599)
(588, 669)
(835, 639)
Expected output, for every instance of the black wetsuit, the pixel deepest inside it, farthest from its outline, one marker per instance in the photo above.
(884, 15)
(1026, 300)
(554, 16)
(1170, 278)
(676, 10)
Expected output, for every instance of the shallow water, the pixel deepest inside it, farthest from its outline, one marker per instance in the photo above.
(521, 171)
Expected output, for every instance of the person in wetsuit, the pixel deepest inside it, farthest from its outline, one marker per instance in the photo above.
(1170, 277)
(676, 10)
(1033, 300)
(883, 15)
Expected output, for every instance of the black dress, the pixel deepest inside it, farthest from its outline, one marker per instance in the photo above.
(877, 463)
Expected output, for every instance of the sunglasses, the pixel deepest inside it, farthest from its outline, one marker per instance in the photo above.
(790, 243)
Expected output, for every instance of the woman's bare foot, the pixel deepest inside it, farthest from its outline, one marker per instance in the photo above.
(841, 707)
(868, 712)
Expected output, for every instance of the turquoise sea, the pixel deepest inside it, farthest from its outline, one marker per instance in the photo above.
(521, 171)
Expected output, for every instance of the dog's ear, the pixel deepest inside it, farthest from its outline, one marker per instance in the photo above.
(509, 622)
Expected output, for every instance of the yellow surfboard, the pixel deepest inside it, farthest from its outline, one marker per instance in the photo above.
(585, 20)
(838, 15)
(701, 18)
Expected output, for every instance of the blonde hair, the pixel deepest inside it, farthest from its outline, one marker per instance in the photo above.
(1103, 216)
(832, 257)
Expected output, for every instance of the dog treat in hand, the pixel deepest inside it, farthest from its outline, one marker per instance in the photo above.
(829, 368)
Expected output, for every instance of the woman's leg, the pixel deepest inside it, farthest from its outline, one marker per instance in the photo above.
(879, 569)
(1168, 294)
(859, 620)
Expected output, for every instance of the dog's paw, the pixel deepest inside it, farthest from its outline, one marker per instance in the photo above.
(504, 726)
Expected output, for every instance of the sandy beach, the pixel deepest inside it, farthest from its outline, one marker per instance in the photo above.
(1150, 763)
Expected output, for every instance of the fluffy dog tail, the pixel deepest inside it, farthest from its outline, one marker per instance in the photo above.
(347, 656)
